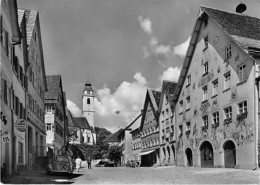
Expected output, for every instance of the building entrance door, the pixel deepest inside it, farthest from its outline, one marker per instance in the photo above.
(189, 157)
(230, 154)
(206, 155)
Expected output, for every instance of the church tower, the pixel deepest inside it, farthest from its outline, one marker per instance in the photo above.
(88, 108)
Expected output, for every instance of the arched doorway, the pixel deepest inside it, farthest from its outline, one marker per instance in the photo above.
(188, 153)
(206, 155)
(164, 155)
(229, 154)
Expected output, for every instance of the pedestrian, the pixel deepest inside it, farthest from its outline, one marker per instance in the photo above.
(78, 163)
(89, 163)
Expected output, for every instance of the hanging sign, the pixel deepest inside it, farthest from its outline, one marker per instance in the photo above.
(6, 138)
(21, 125)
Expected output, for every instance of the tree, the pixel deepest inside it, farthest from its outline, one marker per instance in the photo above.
(101, 147)
(115, 153)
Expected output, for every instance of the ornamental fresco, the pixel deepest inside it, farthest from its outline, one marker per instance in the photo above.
(204, 80)
(242, 133)
(204, 106)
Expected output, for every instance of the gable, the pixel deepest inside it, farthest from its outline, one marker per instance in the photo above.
(195, 39)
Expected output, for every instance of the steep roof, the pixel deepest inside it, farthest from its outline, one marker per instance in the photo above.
(113, 137)
(71, 120)
(53, 87)
(30, 16)
(153, 97)
(244, 29)
(136, 123)
(168, 89)
(83, 122)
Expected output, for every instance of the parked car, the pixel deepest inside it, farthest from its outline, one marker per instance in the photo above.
(132, 163)
(60, 164)
(106, 164)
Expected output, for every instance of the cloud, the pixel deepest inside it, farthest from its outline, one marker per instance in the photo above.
(171, 74)
(181, 49)
(74, 109)
(157, 49)
(128, 99)
(145, 24)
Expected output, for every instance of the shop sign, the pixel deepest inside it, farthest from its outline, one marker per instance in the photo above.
(21, 125)
(6, 138)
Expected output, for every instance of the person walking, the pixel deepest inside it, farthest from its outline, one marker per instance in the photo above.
(78, 163)
(89, 163)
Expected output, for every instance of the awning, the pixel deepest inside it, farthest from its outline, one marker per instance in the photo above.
(145, 153)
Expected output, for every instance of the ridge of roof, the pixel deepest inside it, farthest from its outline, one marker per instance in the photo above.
(243, 29)
(83, 122)
(113, 137)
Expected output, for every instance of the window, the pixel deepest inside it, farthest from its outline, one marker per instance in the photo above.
(215, 116)
(215, 88)
(88, 101)
(228, 112)
(205, 93)
(242, 107)
(181, 106)
(48, 126)
(205, 120)
(228, 51)
(206, 68)
(20, 153)
(206, 42)
(188, 80)
(188, 126)
(227, 80)
(188, 103)
(242, 72)
(180, 130)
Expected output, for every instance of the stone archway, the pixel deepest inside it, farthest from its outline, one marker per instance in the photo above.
(164, 155)
(206, 154)
(188, 153)
(169, 154)
(229, 154)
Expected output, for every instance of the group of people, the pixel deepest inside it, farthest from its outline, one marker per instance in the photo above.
(78, 163)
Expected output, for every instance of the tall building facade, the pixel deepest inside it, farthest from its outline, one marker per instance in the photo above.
(55, 113)
(36, 86)
(88, 108)
(12, 90)
(167, 124)
(149, 128)
(217, 97)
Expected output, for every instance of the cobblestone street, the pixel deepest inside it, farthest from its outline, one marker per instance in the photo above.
(168, 175)
(144, 175)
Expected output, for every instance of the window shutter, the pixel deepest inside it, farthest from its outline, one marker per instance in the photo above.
(5, 92)
(1, 28)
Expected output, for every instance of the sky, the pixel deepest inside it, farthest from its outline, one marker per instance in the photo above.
(122, 47)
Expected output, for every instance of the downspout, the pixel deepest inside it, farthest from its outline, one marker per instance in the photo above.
(255, 120)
